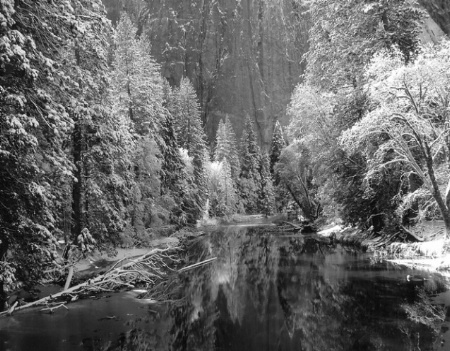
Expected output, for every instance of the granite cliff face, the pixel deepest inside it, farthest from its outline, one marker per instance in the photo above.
(243, 56)
(439, 11)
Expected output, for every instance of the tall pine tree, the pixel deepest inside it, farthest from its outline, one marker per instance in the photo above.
(185, 109)
(266, 194)
(278, 144)
(136, 81)
(226, 147)
(250, 179)
(174, 185)
(100, 142)
(222, 148)
(222, 191)
(137, 88)
(280, 192)
(52, 71)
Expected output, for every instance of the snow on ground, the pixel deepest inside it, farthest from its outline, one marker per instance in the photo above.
(328, 231)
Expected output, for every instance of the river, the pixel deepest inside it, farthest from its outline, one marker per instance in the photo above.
(266, 291)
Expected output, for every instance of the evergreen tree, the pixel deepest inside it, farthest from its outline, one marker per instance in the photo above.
(222, 192)
(266, 195)
(107, 165)
(222, 143)
(250, 180)
(280, 192)
(100, 142)
(278, 143)
(136, 84)
(137, 89)
(233, 154)
(185, 109)
(230, 199)
(51, 69)
(173, 175)
(226, 147)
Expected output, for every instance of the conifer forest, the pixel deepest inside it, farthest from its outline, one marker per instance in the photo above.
(123, 122)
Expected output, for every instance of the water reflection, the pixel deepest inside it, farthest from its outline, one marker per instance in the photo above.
(271, 291)
(275, 292)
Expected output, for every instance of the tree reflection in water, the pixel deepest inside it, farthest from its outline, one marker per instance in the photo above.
(277, 292)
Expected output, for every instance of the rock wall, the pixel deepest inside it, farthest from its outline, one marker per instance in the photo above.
(439, 11)
(243, 56)
(431, 32)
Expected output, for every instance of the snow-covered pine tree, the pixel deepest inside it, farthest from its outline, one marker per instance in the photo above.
(174, 185)
(280, 192)
(278, 143)
(136, 82)
(226, 147)
(250, 180)
(100, 143)
(222, 143)
(233, 152)
(137, 90)
(185, 109)
(230, 199)
(50, 103)
(33, 128)
(266, 194)
(222, 191)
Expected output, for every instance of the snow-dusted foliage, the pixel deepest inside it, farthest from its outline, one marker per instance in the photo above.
(226, 147)
(266, 195)
(222, 191)
(408, 126)
(136, 82)
(250, 180)
(43, 73)
(185, 109)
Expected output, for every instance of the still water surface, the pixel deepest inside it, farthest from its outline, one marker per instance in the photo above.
(265, 291)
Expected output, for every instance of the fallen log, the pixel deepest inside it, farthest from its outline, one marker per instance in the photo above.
(120, 276)
(198, 264)
(294, 226)
(410, 233)
(149, 267)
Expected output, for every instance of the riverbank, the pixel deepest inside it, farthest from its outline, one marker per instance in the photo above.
(431, 253)
(263, 289)
(100, 271)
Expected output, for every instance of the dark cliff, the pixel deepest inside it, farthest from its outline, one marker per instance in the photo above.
(439, 11)
(243, 57)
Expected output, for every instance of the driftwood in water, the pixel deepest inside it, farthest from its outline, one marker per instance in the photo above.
(69, 278)
(198, 264)
(150, 268)
(318, 238)
(303, 228)
(294, 226)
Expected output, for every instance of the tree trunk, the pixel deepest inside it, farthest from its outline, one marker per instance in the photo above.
(77, 187)
(447, 204)
(443, 205)
(4, 245)
(310, 211)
